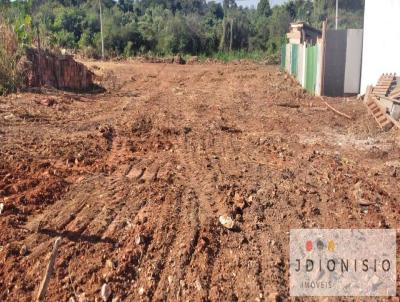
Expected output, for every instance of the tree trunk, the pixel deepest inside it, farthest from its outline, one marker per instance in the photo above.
(101, 31)
(231, 39)
(223, 38)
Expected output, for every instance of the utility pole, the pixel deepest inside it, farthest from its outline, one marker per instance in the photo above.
(101, 31)
(222, 44)
(337, 14)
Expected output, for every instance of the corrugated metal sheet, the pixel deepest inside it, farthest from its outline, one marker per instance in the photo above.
(311, 68)
(283, 56)
(303, 82)
(294, 60)
(335, 62)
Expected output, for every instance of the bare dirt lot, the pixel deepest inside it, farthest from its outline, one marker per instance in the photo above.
(134, 180)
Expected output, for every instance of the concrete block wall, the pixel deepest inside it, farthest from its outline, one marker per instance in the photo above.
(352, 78)
(343, 59)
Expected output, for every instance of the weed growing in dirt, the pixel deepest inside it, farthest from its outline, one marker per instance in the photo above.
(10, 78)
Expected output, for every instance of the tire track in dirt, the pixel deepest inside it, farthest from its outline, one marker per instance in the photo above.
(258, 252)
(57, 216)
(200, 256)
(122, 215)
(182, 249)
(159, 231)
(202, 182)
(68, 218)
(189, 236)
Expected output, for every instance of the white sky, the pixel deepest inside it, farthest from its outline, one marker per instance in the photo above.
(255, 2)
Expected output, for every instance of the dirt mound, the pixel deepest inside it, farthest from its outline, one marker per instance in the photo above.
(58, 71)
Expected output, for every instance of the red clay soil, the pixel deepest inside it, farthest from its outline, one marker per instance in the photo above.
(134, 180)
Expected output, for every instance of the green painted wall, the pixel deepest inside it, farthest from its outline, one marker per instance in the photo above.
(283, 56)
(311, 68)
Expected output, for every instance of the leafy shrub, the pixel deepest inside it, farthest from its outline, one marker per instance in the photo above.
(128, 50)
(91, 53)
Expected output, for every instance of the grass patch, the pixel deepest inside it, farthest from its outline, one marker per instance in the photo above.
(257, 56)
(224, 56)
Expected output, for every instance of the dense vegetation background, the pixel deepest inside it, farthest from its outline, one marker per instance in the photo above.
(165, 27)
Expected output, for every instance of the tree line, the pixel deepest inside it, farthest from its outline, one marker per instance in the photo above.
(165, 27)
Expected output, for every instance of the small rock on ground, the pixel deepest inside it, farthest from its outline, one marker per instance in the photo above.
(105, 292)
(227, 222)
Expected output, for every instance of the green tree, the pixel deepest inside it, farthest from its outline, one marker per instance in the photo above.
(264, 8)
(278, 26)
(166, 27)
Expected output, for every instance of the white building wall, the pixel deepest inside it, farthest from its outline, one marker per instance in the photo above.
(288, 64)
(381, 49)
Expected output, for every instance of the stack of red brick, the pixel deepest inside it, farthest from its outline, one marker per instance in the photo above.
(59, 71)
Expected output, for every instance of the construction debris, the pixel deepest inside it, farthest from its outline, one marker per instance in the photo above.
(395, 94)
(335, 110)
(379, 113)
(385, 83)
(381, 102)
